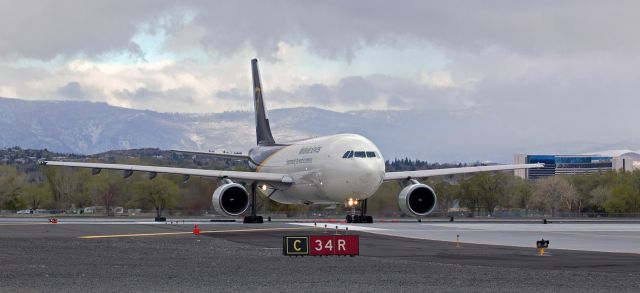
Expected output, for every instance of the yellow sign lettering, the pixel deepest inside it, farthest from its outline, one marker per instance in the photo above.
(295, 245)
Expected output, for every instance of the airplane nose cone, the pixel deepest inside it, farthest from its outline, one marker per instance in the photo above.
(369, 176)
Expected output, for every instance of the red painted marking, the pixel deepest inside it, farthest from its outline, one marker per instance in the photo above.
(334, 245)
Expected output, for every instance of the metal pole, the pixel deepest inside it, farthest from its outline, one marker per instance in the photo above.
(363, 208)
(254, 189)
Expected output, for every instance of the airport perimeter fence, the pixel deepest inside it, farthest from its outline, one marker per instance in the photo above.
(178, 213)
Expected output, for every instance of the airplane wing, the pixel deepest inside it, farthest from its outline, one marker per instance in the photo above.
(213, 154)
(452, 171)
(249, 176)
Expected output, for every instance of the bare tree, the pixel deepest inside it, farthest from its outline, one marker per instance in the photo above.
(62, 183)
(106, 190)
(68, 186)
(554, 193)
(599, 196)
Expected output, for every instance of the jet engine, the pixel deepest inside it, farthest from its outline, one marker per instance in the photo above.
(230, 198)
(417, 199)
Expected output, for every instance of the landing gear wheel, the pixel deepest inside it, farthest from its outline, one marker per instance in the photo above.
(359, 219)
(369, 219)
(349, 219)
(359, 216)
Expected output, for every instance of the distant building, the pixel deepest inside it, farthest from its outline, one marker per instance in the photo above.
(577, 164)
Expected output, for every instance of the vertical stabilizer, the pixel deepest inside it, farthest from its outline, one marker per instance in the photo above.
(263, 130)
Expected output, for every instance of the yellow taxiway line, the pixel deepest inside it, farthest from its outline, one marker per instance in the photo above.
(24, 223)
(182, 233)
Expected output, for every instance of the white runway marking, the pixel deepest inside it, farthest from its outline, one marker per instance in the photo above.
(608, 227)
(606, 237)
(320, 226)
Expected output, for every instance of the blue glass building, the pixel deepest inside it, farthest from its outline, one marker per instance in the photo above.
(570, 165)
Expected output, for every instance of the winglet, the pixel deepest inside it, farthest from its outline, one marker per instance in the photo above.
(263, 130)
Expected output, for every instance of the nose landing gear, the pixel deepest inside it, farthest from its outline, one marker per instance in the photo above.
(358, 213)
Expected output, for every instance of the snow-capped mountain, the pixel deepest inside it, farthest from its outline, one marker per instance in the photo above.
(87, 128)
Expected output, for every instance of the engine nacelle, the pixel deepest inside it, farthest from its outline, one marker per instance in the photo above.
(417, 199)
(230, 199)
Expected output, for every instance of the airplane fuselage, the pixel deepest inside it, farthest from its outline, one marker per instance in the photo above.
(328, 169)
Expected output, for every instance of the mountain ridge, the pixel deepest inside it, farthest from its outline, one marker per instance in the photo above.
(93, 127)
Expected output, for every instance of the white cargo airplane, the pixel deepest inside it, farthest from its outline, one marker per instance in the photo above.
(342, 168)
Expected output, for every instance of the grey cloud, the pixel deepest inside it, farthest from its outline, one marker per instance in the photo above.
(140, 93)
(359, 92)
(45, 29)
(545, 71)
(553, 109)
(318, 93)
(136, 52)
(72, 90)
(337, 28)
(355, 89)
(234, 94)
(164, 101)
(331, 28)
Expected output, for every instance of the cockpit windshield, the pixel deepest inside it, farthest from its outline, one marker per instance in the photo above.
(359, 154)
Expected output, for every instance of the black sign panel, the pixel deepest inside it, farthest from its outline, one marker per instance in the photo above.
(542, 243)
(295, 245)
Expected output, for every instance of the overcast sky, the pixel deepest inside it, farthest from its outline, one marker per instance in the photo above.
(541, 66)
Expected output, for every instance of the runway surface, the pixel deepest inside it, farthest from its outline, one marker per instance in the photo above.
(37, 256)
(609, 236)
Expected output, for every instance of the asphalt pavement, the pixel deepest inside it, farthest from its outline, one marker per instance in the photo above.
(230, 257)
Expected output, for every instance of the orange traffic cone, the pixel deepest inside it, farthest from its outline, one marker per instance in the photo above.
(196, 230)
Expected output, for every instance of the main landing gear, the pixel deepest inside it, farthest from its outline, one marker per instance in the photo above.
(253, 218)
(359, 216)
